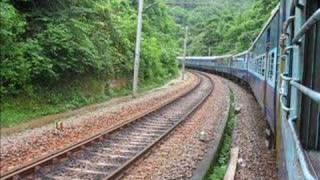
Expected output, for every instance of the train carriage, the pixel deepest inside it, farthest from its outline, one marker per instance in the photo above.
(239, 66)
(282, 68)
(262, 67)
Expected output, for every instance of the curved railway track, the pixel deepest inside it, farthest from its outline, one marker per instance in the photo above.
(107, 156)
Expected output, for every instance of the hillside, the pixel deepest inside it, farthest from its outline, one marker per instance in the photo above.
(223, 26)
(62, 54)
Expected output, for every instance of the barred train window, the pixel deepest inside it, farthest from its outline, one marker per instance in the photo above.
(270, 66)
(258, 65)
(252, 64)
(262, 65)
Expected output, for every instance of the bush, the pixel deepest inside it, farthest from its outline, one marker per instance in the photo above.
(45, 42)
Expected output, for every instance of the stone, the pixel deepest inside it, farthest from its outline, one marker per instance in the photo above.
(268, 132)
(203, 136)
(241, 162)
(237, 109)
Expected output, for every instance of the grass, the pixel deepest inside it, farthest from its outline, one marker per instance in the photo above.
(22, 109)
(219, 166)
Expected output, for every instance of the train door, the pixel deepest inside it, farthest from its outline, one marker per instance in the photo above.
(309, 119)
(310, 112)
(299, 94)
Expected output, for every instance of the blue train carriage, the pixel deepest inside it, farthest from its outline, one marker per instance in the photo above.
(262, 66)
(222, 63)
(239, 65)
(198, 62)
(298, 137)
(218, 64)
(284, 76)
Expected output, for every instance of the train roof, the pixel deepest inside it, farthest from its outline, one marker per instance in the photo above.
(205, 57)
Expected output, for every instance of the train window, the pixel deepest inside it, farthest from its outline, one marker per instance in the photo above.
(268, 40)
(257, 65)
(254, 66)
(263, 59)
(242, 62)
(260, 65)
(270, 66)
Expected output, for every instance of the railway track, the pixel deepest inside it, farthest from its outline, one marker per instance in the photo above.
(110, 155)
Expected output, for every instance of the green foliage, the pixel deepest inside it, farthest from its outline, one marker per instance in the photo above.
(13, 66)
(49, 48)
(219, 167)
(42, 42)
(48, 101)
(243, 29)
(224, 26)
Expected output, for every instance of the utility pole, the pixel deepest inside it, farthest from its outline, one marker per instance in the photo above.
(137, 50)
(209, 51)
(184, 52)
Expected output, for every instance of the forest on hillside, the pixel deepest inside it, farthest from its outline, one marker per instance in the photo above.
(45, 41)
(221, 26)
(62, 54)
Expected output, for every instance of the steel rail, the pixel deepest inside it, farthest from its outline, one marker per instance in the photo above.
(125, 166)
(31, 167)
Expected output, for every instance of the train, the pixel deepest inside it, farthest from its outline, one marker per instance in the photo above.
(282, 69)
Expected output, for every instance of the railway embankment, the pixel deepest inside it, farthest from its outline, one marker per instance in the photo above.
(245, 130)
(177, 156)
(183, 155)
(67, 129)
(256, 160)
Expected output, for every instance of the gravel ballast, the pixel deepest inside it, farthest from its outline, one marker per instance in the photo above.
(120, 147)
(255, 160)
(177, 156)
(20, 148)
